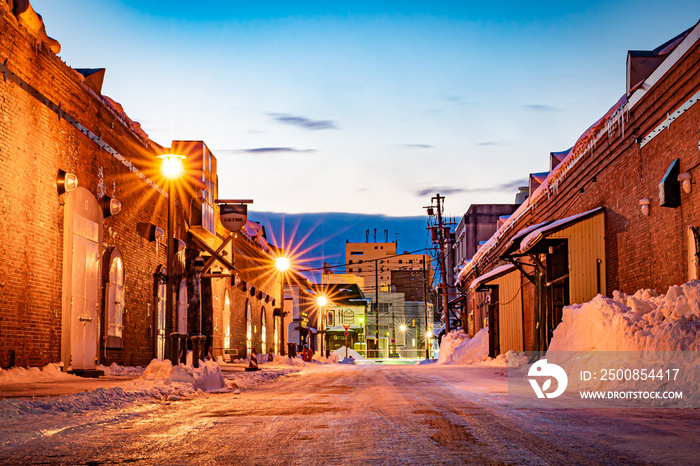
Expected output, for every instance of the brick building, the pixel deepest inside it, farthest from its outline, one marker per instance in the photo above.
(618, 211)
(82, 270)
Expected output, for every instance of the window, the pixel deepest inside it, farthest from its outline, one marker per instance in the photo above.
(350, 261)
(359, 270)
(356, 253)
(114, 299)
(263, 330)
(276, 320)
(227, 320)
(400, 261)
(248, 327)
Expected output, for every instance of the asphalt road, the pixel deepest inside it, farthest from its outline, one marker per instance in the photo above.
(358, 415)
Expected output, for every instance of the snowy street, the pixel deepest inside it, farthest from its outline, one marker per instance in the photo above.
(343, 414)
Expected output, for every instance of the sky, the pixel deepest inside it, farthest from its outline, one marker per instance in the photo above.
(365, 107)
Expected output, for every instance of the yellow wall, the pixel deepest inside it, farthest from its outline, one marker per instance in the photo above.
(586, 241)
(510, 312)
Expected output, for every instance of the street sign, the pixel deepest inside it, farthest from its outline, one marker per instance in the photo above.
(346, 327)
(393, 341)
(346, 334)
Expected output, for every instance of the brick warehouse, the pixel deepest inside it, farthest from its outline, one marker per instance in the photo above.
(618, 211)
(83, 286)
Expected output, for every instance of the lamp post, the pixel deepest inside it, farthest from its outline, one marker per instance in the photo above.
(171, 166)
(282, 264)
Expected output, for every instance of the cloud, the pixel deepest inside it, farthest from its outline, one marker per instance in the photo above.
(265, 150)
(511, 186)
(487, 143)
(541, 108)
(303, 122)
(417, 146)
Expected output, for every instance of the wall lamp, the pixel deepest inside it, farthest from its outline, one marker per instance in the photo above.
(66, 182)
(110, 206)
(685, 178)
(645, 206)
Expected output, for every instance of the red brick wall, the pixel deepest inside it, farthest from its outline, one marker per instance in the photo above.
(34, 144)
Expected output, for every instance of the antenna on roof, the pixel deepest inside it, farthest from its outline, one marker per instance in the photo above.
(386, 235)
(367, 235)
(375, 235)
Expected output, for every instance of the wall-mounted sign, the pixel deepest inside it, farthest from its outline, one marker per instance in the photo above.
(233, 216)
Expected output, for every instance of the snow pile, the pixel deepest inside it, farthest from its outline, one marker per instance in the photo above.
(48, 373)
(287, 361)
(99, 399)
(509, 359)
(644, 321)
(331, 359)
(457, 348)
(340, 352)
(115, 370)
(206, 377)
(248, 379)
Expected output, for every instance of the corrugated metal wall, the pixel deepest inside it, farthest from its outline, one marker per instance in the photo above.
(510, 312)
(586, 246)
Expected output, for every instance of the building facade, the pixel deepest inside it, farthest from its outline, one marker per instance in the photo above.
(618, 211)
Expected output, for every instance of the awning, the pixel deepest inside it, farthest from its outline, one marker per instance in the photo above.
(490, 276)
(533, 242)
(515, 241)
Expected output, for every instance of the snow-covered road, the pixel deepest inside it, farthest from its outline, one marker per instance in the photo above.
(355, 415)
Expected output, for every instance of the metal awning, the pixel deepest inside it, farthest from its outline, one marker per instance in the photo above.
(515, 241)
(535, 242)
(482, 280)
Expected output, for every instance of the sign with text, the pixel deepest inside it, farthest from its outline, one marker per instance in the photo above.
(604, 379)
(233, 216)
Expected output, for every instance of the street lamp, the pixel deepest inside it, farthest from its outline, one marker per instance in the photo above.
(171, 166)
(282, 264)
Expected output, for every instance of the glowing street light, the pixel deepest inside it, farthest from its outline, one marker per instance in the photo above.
(322, 301)
(171, 167)
(282, 263)
(402, 327)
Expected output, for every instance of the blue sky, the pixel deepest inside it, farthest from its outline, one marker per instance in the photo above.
(365, 107)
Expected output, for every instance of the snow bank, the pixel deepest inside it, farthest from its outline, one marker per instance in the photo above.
(99, 399)
(206, 377)
(331, 359)
(340, 352)
(34, 374)
(115, 370)
(644, 321)
(457, 348)
(287, 361)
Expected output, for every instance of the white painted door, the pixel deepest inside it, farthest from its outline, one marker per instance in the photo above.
(84, 315)
(182, 308)
(160, 320)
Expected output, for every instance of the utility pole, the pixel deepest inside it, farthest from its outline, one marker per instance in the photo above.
(443, 270)
(425, 309)
(439, 238)
(376, 309)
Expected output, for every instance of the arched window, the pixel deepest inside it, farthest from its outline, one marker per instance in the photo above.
(114, 299)
(248, 327)
(227, 321)
(182, 308)
(263, 329)
(160, 285)
(276, 320)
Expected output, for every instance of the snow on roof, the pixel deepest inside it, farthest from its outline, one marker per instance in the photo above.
(533, 237)
(497, 272)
